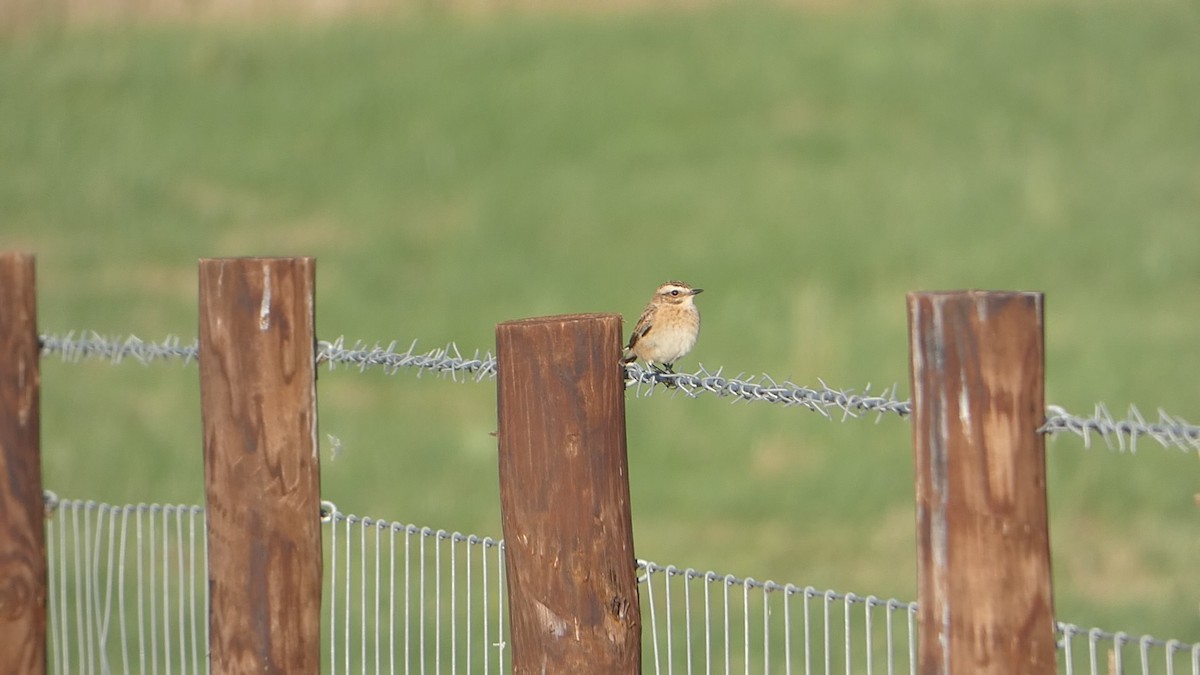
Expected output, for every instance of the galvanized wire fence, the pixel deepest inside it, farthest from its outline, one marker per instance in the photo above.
(128, 589)
(705, 621)
(403, 598)
(128, 593)
(1169, 431)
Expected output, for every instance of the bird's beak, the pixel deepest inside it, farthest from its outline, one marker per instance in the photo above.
(697, 291)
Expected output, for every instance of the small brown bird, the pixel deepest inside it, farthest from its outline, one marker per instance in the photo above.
(668, 327)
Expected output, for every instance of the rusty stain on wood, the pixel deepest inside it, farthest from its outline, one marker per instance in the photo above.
(22, 511)
(564, 495)
(984, 588)
(262, 481)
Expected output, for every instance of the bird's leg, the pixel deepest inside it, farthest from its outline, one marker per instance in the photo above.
(668, 369)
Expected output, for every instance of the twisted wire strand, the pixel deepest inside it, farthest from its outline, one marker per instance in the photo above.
(448, 360)
(1124, 434)
(90, 345)
(1168, 431)
(823, 400)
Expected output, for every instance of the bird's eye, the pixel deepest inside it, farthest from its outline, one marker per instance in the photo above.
(675, 292)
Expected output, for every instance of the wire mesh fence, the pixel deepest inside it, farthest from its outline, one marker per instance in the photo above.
(405, 599)
(128, 594)
(127, 589)
(1092, 650)
(706, 622)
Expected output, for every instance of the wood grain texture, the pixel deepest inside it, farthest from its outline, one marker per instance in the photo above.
(564, 495)
(261, 470)
(22, 509)
(984, 587)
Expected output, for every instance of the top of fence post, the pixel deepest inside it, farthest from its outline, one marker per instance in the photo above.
(985, 603)
(564, 495)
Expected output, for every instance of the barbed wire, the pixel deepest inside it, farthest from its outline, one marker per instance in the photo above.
(825, 400)
(1168, 431)
(830, 402)
(446, 361)
(92, 345)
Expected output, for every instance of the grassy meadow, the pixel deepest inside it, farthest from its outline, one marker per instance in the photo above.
(806, 167)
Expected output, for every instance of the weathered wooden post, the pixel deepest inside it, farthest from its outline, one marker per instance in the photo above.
(564, 495)
(261, 471)
(977, 365)
(22, 511)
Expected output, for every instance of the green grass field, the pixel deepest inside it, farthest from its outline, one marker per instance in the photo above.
(806, 168)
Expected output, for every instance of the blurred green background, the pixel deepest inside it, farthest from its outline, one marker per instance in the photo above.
(807, 166)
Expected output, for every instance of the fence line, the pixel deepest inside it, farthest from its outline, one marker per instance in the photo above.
(1122, 434)
(128, 587)
(976, 363)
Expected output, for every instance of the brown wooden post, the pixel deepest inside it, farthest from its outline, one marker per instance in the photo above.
(261, 474)
(983, 576)
(22, 509)
(564, 496)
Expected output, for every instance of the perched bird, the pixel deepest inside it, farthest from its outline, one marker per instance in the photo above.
(667, 328)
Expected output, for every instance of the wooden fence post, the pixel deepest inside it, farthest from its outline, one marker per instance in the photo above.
(977, 365)
(22, 509)
(261, 471)
(564, 496)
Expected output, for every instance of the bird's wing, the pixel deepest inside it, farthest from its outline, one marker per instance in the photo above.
(641, 328)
